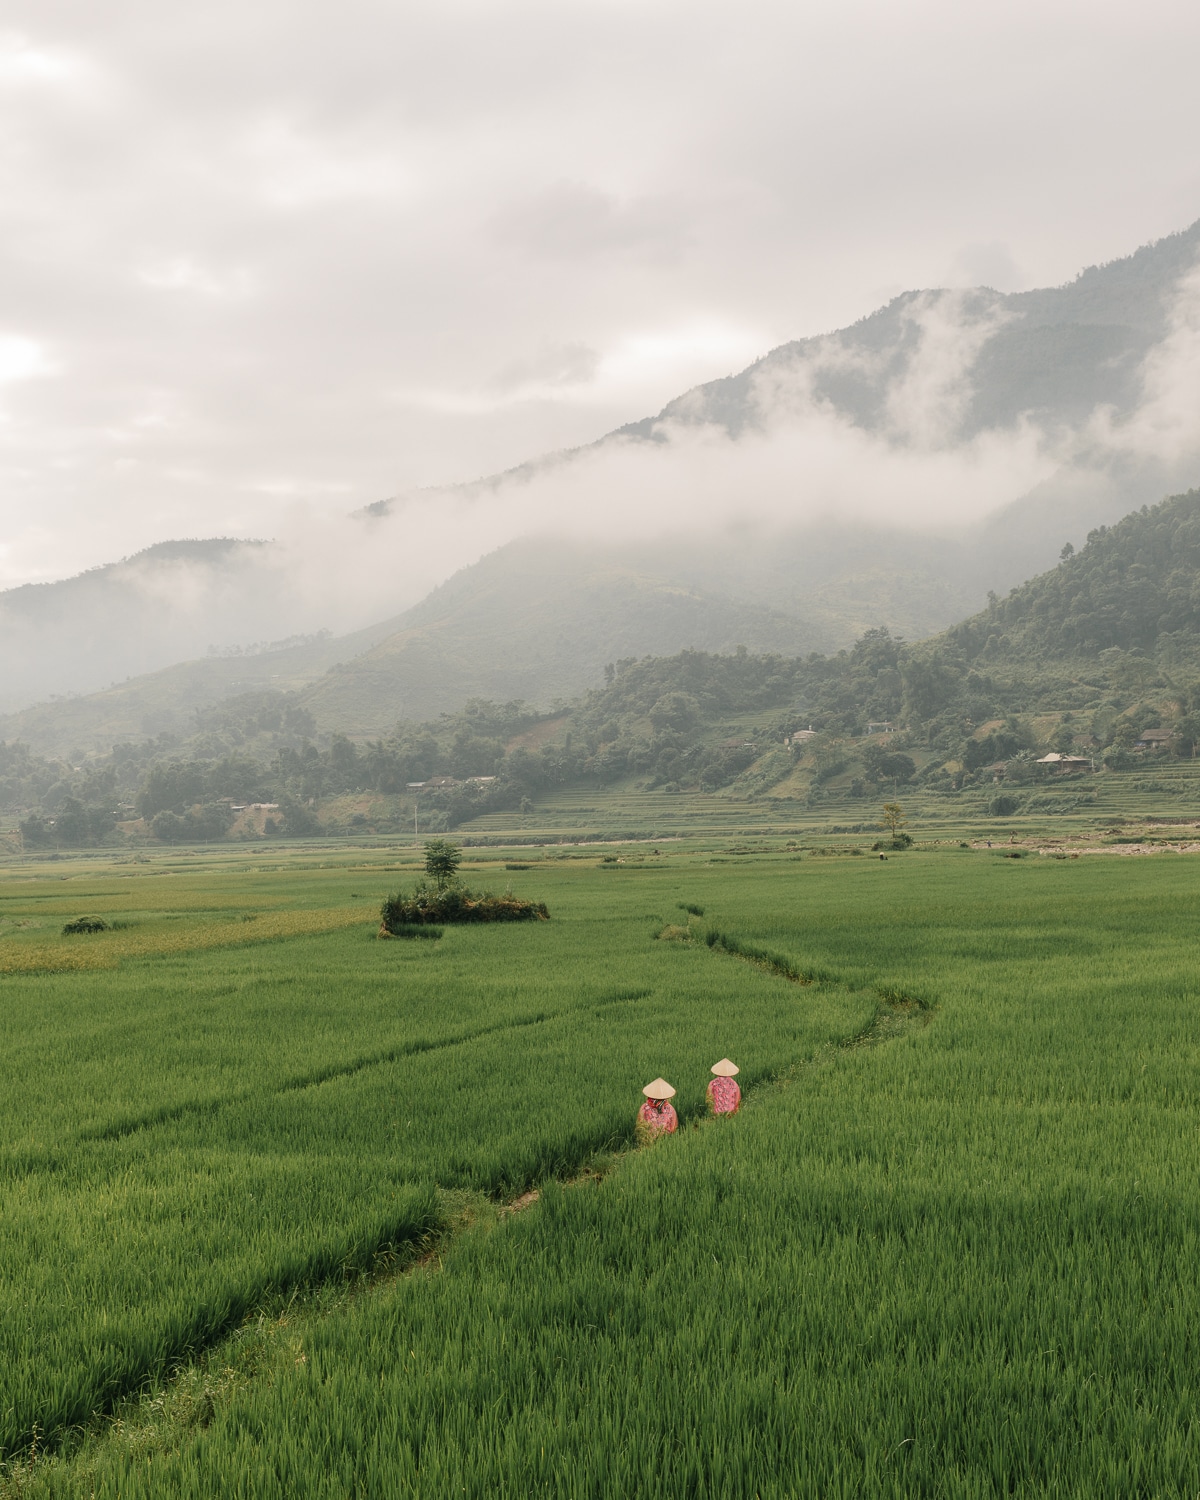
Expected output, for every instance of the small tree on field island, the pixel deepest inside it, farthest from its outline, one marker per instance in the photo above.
(893, 817)
(442, 860)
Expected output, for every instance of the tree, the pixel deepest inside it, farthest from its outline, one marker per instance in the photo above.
(1064, 739)
(894, 819)
(442, 860)
(888, 765)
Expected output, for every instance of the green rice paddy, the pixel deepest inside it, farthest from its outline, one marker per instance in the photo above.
(950, 1246)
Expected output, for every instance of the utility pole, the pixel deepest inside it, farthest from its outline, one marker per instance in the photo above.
(416, 836)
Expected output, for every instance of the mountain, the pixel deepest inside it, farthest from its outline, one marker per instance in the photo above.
(168, 702)
(1053, 356)
(1091, 372)
(165, 604)
(1084, 658)
(539, 621)
(534, 620)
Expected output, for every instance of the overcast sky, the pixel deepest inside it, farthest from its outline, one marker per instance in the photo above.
(259, 256)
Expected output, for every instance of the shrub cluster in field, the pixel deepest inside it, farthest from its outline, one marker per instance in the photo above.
(446, 900)
(454, 903)
(84, 924)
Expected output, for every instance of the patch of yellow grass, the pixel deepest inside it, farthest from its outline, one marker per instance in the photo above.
(105, 950)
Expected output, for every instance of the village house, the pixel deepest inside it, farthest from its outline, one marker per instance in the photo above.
(881, 727)
(1056, 762)
(801, 737)
(1154, 739)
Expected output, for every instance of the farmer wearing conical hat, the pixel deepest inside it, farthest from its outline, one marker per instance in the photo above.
(657, 1116)
(724, 1096)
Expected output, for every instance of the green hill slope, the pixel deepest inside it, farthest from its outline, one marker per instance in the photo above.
(167, 702)
(536, 621)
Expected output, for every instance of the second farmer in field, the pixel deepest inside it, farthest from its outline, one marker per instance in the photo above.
(657, 1116)
(724, 1096)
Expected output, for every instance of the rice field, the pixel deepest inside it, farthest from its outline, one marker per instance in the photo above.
(1058, 807)
(950, 1246)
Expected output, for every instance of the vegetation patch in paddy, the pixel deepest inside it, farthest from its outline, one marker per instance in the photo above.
(447, 900)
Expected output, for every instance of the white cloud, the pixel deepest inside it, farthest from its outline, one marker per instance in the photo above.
(376, 246)
(928, 405)
(21, 61)
(990, 264)
(297, 169)
(678, 353)
(1166, 425)
(23, 358)
(645, 365)
(180, 273)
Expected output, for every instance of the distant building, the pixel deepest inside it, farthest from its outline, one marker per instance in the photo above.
(1154, 739)
(882, 727)
(1057, 762)
(480, 780)
(801, 736)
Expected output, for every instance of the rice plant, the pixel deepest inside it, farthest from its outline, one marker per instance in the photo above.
(961, 1263)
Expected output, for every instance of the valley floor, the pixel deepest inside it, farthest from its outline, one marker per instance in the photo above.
(255, 1161)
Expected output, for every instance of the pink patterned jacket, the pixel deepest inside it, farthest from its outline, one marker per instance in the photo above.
(724, 1096)
(656, 1117)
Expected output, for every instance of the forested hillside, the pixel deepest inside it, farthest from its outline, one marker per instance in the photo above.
(1084, 658)
(1135, 587)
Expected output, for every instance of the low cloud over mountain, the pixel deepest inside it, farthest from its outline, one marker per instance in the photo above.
(889, 473)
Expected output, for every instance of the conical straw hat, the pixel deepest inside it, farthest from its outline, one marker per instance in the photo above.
(659, 1089)
(724, 1069)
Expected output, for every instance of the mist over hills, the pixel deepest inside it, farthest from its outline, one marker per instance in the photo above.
(167, 603)
(888, 474)
(1086, 659)
(538, 621)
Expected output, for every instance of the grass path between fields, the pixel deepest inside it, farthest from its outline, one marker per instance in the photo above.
(271, 1339)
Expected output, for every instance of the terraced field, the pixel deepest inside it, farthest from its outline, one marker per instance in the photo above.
(950, 1245)
(1053, 806)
